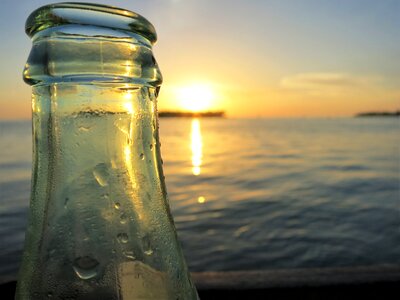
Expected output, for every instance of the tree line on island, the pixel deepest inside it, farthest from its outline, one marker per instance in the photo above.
(189, 114)
(379, 114)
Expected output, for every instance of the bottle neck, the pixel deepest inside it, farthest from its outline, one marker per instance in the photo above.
(100, 139)
(85, 124)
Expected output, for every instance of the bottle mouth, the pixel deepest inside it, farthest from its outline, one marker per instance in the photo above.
(58, 14)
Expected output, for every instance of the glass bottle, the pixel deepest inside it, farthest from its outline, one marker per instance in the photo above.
(99, 224)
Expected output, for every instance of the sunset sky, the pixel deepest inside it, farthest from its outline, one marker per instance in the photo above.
(255, 58)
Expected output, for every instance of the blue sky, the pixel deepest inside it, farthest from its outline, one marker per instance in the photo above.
(329, 57)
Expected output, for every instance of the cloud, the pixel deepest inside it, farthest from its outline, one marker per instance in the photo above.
(313, 81)
(330, 85)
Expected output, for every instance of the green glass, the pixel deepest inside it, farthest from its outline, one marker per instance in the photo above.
(100, 225)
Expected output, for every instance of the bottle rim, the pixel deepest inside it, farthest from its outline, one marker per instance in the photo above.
(65, 13)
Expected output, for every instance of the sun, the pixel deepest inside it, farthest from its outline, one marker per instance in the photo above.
(196, 97)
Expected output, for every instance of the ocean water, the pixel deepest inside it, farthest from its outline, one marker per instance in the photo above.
(254, 194)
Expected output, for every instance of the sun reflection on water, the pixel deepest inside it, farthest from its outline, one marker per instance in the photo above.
(197, 147)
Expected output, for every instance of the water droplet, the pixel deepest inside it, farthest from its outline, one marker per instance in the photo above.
(148, 252)
(86, 267)
(129, 141)
(100, 173)
(123, 218)
(84, 128)
(141, 156)
(122, 238)
(147, 246)
(117, 205)
(129, 254)
(151, 146)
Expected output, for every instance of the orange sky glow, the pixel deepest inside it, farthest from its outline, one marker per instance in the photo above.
(264, 59)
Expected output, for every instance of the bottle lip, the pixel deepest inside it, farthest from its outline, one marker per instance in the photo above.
(88, 14)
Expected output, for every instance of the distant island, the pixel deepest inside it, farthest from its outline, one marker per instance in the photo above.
(189, 114)
(379, 114)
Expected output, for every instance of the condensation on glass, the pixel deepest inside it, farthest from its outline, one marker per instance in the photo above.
(99, 225)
